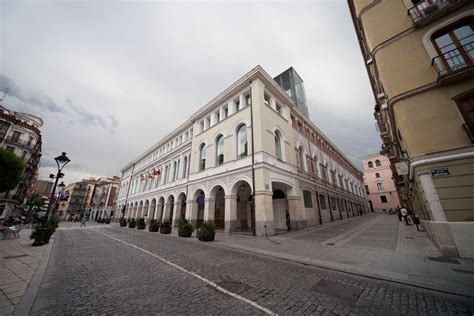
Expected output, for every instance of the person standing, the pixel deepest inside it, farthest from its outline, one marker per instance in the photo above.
(288, 220)
(83, 221)
(404, 214)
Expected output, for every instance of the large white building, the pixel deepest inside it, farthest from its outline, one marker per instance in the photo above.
(242, 160)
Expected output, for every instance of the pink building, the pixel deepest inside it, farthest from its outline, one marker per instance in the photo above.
(379, 185)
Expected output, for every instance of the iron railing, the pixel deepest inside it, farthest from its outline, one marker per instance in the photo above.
(426, 8)
(456, 59)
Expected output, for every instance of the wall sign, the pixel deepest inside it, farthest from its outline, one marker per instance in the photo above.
(438, 172)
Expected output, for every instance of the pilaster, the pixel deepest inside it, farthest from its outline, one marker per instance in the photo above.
(230, 213)
(264, 221)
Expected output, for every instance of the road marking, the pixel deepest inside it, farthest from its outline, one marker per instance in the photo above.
(214, 285)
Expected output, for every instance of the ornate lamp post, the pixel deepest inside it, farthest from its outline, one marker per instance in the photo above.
(61, 161)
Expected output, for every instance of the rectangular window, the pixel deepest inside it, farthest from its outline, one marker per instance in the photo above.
(208, 121)
(380, 186)
(16, 136)
(322, 201)
(237, 104)
(278, 108)
(225, 112)
(266, 99)
(201, 126)
(383, 199)
(248, 99)
(218, 117)
(333, 177)
(466, 107)
(308, 202)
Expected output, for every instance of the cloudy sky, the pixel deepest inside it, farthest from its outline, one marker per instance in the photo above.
(111, 78)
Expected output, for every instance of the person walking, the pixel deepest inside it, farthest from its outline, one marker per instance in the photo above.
(83, 221)
(404, 214)
(288, 220)
(399, 213)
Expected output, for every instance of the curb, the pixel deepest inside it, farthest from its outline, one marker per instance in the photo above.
(26, 302)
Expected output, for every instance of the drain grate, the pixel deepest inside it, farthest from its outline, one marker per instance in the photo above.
(409, 237)
(338, 290)
(234, 287)
(14, 257)
(444, 259)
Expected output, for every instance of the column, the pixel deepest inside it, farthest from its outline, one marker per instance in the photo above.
(264, 221)
(191, 212)
(242, 102)
(230, 108)
(209, 209)
(158, 212)
(230, 215)
(432, 198)
(176, 214)
(297, 215)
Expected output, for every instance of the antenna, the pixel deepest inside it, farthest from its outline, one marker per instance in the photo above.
(4, 94)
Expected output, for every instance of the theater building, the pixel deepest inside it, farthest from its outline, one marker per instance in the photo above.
(242, 160)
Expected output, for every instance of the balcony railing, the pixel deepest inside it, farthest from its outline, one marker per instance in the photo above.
(21, 142)
(456, 59)
(425, 9)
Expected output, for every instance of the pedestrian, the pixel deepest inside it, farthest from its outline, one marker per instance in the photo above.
(83, 221)
(288, 220)
(399, 213)
(404, 214)
(416, 221)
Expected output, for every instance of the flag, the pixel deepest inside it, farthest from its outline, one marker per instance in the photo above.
(157, 172)
(142, 177)
(151, 174)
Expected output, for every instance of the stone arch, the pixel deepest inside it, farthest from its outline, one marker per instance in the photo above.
(242, 189)
(160, 209)
(235, 184)
(152, 209)
(169, 208)
(146, 209)
(140, 210)
(280, 193)
(199, 198)
(217, 210)
(180, 208)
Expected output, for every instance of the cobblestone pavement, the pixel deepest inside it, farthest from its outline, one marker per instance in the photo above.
(92, 273)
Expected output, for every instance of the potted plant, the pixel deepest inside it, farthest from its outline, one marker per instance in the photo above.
(207, 231)
(141, 224)
(123, 222)
(185, 229)
(43, 232)
(154, 226)
(107, 220)
(132, 223)
(165, 228)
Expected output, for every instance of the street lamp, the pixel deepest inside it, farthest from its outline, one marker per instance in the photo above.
(61, 161)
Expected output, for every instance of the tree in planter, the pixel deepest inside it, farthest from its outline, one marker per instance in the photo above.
(165, 228)
(43, 232)
(154, 226)
(185, 229)
(11, 170)
(123, 222)
(107, 220)
(132, 223)
(207, 231)
(141, 224)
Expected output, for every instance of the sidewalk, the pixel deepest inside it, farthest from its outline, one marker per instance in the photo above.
(407, 257)
(18, 263)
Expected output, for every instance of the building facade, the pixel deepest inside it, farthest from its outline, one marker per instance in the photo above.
(79, 198)
(105, 195)
(43, 188)
(20, 133)
(419, 56)
(242, 160)
(379, 185)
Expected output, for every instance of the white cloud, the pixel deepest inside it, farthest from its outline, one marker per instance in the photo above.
(127, 67)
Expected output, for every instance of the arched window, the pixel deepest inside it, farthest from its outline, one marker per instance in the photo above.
(242, 141)
(278, 145)
(377, 163)
(185, 166)
(177, 169)
(454, 46)
(219, 150)
(202, 157)
(377, 175)
(301, 157)
(371, 164)
(174, 172)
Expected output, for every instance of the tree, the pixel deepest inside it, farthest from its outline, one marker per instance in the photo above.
(11, 170)
(35, 200)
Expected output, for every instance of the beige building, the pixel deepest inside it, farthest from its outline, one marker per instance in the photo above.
(242, 160)
(20, 133)
(419, 56)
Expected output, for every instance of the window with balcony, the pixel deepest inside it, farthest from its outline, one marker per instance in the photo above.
(380, 186)
(219, 150)
(466, 107)
(423, 9)
(455, 47)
